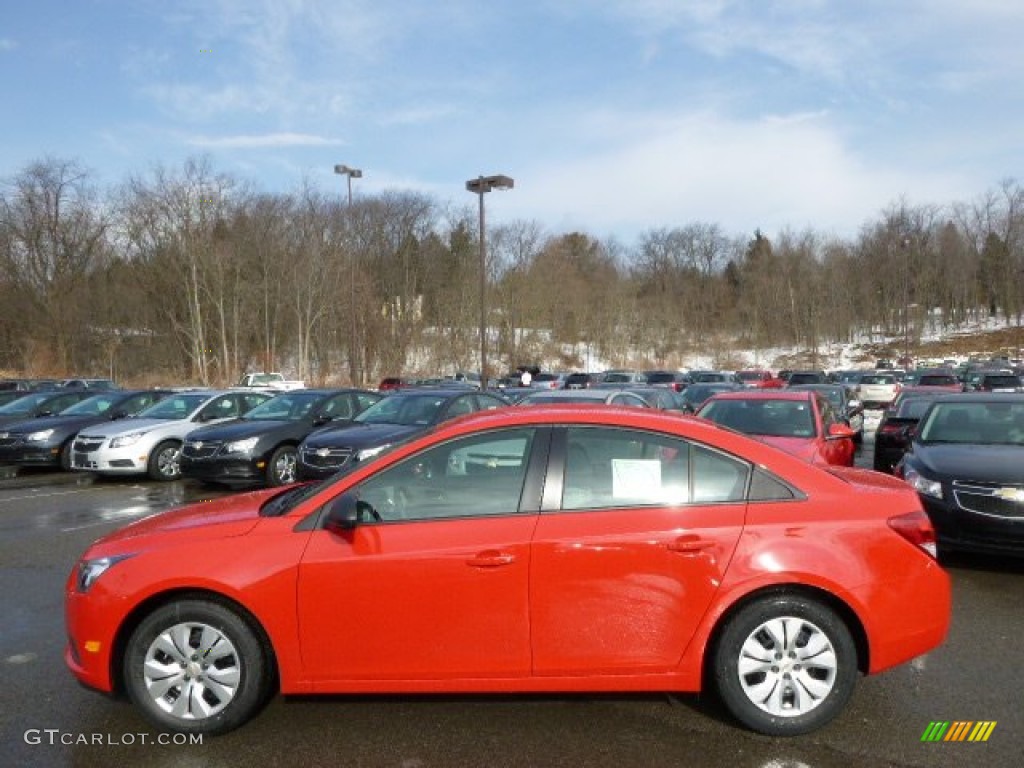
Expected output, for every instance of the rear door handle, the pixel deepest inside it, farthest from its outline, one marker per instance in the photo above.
(689, 545)
(491, 558)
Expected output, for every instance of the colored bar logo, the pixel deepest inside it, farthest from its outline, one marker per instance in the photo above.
(958, 730)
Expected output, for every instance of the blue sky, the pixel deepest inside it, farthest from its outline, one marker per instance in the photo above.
(613, 116)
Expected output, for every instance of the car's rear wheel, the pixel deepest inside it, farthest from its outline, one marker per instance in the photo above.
(165, 461)
(282, 467)
(785, 665)
(195, 666)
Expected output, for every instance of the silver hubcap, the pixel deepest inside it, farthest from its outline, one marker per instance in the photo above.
(167, 462)
(787, 666)
(284, 467)
(192, 671)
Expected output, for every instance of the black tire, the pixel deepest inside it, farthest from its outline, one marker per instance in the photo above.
(282, 469)
(165, 461)
(65, 456)
(808, 681)
(241, 675)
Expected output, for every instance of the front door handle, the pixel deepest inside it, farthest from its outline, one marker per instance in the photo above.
(491, 558)
(690, 545)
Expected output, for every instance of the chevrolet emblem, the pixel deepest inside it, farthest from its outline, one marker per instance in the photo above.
(1010, 494)
(322, 452)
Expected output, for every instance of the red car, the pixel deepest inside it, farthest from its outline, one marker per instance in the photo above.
(545, 549)
(803, 423)
(760, 380)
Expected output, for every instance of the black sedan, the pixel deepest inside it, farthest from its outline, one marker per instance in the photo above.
(695, 394)
(37, 404)
(398, 417)
(46, 441)
(261, 447)
(966, 462)
(896, 429)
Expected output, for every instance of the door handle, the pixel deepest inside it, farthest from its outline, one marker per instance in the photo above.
(491, 558)
(690, 545)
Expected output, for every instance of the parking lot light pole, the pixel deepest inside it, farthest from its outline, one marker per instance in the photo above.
(905, 246)
(480, 186)
(352, 173)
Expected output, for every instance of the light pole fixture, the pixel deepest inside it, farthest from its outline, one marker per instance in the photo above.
(905, 247)
(352, 173)
(480, 186)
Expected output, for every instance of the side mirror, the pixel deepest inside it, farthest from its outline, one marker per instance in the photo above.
(319, 419)
(46, 412)
(346, 512)
(839, 432)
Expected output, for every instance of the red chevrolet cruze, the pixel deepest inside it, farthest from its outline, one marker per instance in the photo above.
(582, 548)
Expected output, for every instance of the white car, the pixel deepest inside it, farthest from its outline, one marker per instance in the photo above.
(150, 443)
(877, 389)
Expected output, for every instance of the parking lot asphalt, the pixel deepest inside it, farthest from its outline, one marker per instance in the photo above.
(46, 719)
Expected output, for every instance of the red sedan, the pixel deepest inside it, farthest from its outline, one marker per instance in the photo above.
(554, 548)
(800, 422)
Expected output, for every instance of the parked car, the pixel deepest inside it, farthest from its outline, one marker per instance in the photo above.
(522, 550)
(942, 379)
(275, 382)
(261, 446)
(581, 380)
(695, 394)
(89, 384)
(760, 379)
(670, 379)
(398, 417)
(966, 462)
(150, 443)
(896, 429)
(877, 389)
(714, 377)
(619, 376)
(999, 382)
(800, 422)
(848, 378)
(394, 382)
(583, 396)
(844, 403)
(547, 380)
(46, 441)
(36, 405)
(807, 377)
(28, 385)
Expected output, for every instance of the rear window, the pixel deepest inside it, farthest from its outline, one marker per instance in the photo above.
(937, 381)
(1001, 381)
(874, 378)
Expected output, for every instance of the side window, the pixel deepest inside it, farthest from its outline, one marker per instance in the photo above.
(338, 407)
(137, 403)
(611, 468)
(474, 476)
(365, 401)
(460, 407)
(221, 408)
(60, 403)
(250, 401)
(484, 403)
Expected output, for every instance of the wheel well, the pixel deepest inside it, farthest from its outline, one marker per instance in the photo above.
(143, 609)
(850, 619)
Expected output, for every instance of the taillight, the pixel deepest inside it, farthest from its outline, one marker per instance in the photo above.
(890, 429)
(916, 528)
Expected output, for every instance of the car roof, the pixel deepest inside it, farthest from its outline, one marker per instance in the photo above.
(779, 394)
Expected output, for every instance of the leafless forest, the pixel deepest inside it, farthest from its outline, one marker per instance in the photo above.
(190, 275)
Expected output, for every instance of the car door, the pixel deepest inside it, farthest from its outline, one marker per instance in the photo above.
(636, 531)
(437, 587)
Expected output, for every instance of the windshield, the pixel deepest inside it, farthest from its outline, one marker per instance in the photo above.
(407, 410)
(174, 407)
(289, 407)
(772, 418)
(26, 404)
(93, 406)
(913, 407)
(617, 378)
(985, 423)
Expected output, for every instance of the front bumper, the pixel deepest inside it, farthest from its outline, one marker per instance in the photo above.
(30, 454)
(88, 653)
(130, 460)
(241, 470)
(999, 530)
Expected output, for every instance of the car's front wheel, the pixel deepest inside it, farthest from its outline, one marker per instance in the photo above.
(165, 461)
(195, 666)
(283, 466)
(785, 665)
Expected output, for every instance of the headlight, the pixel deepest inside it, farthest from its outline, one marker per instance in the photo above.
(125, 440)
(369, 453)
(90, 570)
(241, 446)
(37, 436)
(922, 484)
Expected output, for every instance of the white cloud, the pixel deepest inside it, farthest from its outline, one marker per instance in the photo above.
(263, 140)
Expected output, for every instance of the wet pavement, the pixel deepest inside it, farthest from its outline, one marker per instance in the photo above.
(46, 719)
